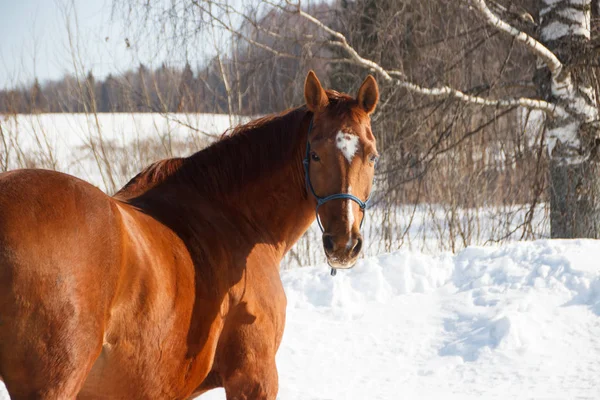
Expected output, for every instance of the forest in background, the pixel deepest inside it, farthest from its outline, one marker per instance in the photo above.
(166, 89)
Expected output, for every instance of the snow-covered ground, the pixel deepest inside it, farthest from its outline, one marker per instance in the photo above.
(520, 321)
(70, 142)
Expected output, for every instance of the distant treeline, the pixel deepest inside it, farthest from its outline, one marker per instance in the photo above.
(165, 89)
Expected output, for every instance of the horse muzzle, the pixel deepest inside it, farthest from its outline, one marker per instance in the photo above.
(342, 252)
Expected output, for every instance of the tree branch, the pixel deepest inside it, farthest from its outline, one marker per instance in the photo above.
(551, 61)
(398, 78)
(236, 32)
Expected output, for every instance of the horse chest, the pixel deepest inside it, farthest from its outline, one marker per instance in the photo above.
(258, 303)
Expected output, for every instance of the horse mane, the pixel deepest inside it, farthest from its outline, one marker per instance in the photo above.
(149, 177)
(241, 156)
(258, 148)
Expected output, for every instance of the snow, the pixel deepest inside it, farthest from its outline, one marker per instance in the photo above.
(64, 141)
(517, 321)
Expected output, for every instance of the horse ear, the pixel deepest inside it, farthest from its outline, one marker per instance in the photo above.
(368, 95)
(315, 96)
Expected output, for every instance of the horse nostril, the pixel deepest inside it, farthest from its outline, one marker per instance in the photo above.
(357, 247)
(328, 243)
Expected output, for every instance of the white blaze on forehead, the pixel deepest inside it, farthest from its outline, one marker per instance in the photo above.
(347, 143)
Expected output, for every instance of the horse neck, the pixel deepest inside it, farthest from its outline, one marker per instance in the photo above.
(277, 207)
(254, 177)
(274, 202)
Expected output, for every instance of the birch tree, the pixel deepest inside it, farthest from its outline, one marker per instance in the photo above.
(567, 80)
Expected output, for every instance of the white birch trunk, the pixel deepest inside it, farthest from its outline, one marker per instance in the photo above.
(574, 181)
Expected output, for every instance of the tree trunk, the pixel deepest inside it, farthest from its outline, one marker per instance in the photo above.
(575, 200)
(574, 165)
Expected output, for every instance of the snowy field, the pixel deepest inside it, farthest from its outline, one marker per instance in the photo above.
(70, 142)
(519, 321)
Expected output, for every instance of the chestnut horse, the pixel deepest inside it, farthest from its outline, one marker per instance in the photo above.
(171, 287)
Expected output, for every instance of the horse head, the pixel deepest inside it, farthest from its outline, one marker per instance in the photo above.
(340, 159)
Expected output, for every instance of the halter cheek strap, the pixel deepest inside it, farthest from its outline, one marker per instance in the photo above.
(363, 205)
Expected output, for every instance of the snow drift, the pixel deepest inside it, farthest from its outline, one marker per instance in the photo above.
(519, 321)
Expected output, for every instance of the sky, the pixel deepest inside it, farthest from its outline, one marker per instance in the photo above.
(34, 41)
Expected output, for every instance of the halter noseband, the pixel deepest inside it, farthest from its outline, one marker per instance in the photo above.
(363, 205)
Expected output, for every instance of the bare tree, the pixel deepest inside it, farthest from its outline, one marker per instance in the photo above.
(565, 78)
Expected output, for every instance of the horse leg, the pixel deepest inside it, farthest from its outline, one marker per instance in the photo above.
(246, 360)
(253, 379)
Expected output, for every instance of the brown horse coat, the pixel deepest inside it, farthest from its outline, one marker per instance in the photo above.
(171, 287)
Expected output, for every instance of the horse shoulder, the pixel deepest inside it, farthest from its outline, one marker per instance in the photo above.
(156, 318)
(258, 301)
(253, 327)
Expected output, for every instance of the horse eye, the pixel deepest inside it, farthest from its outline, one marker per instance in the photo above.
(314, 156)
(373, 159)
